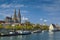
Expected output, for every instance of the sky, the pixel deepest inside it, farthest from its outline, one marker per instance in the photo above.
(36, 11)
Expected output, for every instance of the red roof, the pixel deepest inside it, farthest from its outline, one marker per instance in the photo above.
(2, 22)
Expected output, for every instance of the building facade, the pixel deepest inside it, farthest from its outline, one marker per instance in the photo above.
(16, 18)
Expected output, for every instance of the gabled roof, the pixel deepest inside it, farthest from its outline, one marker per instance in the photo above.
(8, 18)
(54, 25)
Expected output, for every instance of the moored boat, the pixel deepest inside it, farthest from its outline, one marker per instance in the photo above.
(36, 31)
(23, 32)
(9, 34)
(16, 33)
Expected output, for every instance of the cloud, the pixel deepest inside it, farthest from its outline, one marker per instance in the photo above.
(5, 6)
(24, 11)
(45, 20)
(4, 15)
(41, 19)
(24, 18)
(19, 5)
(10, 12)
(52, 8)
(12, 5)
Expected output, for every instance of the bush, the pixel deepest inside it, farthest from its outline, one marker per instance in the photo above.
(8, 27)
(45, 27)
(1, 26)
(18, 27)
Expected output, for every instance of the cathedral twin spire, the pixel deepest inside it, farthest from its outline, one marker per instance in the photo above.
(19, 16)
(17, 19)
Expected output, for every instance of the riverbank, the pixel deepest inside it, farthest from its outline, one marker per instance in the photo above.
(36, 36)
(19, 32)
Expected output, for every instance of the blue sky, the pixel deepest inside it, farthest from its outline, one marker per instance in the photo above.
(36, 11)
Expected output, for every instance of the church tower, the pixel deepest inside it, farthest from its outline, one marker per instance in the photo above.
(19, 17)
(15, 17)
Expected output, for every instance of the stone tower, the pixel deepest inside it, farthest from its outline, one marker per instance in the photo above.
(19, 17)
(15, 17)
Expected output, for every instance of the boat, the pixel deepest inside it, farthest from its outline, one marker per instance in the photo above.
(15, 33)
(23, 32)
(36, 31)
(9, 34)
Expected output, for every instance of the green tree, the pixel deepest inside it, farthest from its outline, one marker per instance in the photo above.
(45, 27)
(17, 27)
(1, 26)
(27, 23)
(37, 26)
(8, 27)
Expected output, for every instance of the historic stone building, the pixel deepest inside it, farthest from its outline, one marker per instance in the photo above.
(15, 18)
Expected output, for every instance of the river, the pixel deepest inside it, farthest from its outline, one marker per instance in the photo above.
(35, 36)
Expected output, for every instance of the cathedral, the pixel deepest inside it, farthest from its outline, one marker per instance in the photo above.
(16, 18)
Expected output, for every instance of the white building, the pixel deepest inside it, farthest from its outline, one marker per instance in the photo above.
(52, 27)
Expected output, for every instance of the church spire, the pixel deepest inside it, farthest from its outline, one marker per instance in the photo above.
(15, 14)
(19, 17)
(15, 17)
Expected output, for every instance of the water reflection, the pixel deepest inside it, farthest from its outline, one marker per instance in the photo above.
(51, 35)
(51, 32)
(35, 36)
(1, 38)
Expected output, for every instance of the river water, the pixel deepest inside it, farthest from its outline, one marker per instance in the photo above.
(35, 36)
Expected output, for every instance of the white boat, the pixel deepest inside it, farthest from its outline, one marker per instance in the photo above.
(36, 31)
(23, 32)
